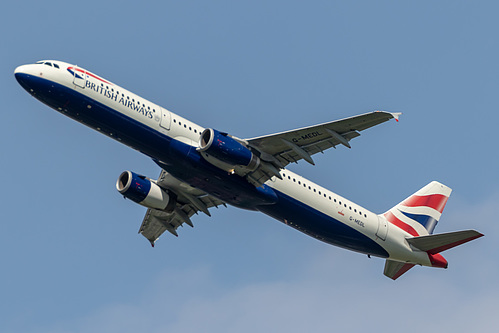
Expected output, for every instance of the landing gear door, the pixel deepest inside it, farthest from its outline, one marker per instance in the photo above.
(382, 227)
(166, 118)
(79, 77)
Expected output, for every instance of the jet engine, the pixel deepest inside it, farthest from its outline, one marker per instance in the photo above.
(226, 152)
(143, 191)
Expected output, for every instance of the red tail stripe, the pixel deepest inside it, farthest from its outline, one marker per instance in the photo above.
(404, 226)
(435, 201)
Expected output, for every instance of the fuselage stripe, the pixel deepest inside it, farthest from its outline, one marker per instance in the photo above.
(89, 74)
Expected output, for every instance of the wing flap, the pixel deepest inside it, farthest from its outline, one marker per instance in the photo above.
(189, 202)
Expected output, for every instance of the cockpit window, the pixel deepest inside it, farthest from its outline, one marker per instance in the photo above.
(48, 63)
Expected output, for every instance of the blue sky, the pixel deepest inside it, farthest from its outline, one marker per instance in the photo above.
(71, 259)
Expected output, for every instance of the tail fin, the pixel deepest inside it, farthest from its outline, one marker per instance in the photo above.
(419, 213)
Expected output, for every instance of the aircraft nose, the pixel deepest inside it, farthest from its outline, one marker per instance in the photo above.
(23, 69)
(19, 69)
(23, 74)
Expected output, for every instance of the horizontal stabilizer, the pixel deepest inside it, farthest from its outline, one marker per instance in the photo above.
(434, 244)
(394, 269)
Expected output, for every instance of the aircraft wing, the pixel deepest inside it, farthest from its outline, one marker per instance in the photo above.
(280, 149)
(190, 201)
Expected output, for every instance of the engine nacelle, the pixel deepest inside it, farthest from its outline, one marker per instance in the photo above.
(144, 192)
(223, 151)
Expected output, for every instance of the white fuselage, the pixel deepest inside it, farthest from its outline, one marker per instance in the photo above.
(125, 116)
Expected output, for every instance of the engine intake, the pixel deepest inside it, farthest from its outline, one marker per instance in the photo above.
(141, 190)
(225, 152)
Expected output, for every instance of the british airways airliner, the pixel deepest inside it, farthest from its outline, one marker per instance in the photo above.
(204, 167)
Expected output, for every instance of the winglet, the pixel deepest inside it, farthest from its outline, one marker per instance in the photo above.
(395, 115)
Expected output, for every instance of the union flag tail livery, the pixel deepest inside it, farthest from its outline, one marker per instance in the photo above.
(203, 168)
(418, 215)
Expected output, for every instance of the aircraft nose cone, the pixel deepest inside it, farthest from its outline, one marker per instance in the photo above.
(22, 76)
(19, 69)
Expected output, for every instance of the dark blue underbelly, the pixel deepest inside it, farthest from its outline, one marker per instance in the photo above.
(321, 226)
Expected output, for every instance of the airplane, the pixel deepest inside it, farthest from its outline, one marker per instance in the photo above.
(203, 168)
